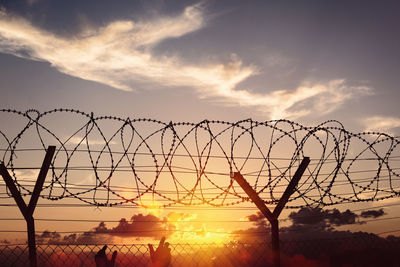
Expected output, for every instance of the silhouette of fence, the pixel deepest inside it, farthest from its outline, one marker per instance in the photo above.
(121, 153)
(359, 251)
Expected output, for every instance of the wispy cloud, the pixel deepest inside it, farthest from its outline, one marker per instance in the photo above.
(381, 124)
(121, 55)
(75, 140)
(308, 98)
(117, 54)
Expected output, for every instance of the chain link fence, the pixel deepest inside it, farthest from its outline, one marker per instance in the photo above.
(339, 252)
(138, 255)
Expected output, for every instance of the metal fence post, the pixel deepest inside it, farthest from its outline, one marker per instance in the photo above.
(27, 211)
(272, 217)
(275, 242)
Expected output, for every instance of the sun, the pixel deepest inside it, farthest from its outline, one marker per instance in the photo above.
(151, 206)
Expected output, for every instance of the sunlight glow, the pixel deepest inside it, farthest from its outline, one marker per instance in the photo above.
(151, 206)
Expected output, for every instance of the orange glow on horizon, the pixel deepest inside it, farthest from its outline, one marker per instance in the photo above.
(150, 206)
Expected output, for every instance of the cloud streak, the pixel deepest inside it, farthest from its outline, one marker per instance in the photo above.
(308, 98)
(381, 124)
(121, 55)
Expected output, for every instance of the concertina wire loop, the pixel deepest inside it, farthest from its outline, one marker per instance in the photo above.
(184, 163)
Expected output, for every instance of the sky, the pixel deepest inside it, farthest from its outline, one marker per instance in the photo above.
(307, 61)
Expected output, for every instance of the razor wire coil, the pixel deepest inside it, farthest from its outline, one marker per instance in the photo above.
(152, 154)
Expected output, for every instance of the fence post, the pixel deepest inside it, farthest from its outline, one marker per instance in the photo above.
(272, 217)
(275, 242)
(30, 224)
(27, 211)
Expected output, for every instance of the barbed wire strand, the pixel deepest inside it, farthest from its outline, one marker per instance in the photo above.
(251, 147)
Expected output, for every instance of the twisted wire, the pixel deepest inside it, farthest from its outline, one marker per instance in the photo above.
(184, 163)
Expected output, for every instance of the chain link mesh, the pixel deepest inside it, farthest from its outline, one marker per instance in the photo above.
(366, 251)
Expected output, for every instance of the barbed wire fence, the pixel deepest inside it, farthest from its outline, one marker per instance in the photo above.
(202, 151)
(128, 160)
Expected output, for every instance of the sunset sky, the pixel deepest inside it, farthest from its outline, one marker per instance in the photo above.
(186, 61)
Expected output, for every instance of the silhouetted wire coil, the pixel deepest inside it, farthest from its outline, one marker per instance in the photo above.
(193, 162)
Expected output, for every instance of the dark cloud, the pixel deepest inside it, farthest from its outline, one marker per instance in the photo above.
(261, 231)
(306, 222)
(49, 237)
(139, 226)
(312, 235)
(88, 238)
(258, 219)
(337, 218)
(307, 216)
(70, 239)
(323, 218)
(372, 213)
(54, 238)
